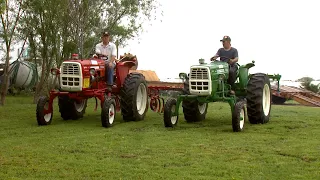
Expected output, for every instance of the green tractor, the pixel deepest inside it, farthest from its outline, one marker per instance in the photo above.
(206, 83)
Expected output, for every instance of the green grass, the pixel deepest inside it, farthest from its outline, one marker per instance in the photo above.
(287, 147)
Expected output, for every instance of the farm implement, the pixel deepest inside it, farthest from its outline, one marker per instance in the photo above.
(280, 94)
(207, 83)
(80, 80)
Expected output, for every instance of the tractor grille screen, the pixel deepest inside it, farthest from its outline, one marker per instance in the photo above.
(71, 76)
(72, 69)
(200, 86)
(70, 81)
(199, 73)
(200, 81)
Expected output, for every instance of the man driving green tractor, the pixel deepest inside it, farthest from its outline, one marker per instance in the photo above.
(230, 55)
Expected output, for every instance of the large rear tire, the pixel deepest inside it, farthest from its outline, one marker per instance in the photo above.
(70, 109)
(193, 110)
(259, 99)
(134, 97)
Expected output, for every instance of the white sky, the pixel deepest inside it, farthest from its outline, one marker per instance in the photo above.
(281, 36)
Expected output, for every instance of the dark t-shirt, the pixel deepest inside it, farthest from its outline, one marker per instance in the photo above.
(232, 53)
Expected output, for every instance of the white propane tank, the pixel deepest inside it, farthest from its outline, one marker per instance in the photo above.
(23, 74)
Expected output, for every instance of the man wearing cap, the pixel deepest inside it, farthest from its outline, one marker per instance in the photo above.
(107, 49)
(230, 55)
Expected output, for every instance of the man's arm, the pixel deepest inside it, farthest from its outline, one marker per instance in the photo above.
(236, 57)
(113, 53)
(216, 56)
(97, 49)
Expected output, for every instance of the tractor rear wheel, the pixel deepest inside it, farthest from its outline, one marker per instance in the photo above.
(134, 97)
(71, 109)
(193, 110)
(44, 115)
(259, 99)
(108, 112)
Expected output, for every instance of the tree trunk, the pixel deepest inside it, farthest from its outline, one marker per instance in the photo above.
(40, 84)
(5, 86)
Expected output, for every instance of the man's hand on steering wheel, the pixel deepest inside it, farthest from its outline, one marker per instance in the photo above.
(230, 61)
(214, 58)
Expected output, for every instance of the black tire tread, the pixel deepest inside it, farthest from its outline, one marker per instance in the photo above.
(236, 116)
(254, 98)
(68, 110)
(127, 94)
(190, 107)
(39, 111)
(105, 110)
(167, 112)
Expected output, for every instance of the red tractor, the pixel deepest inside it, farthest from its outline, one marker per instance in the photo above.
(80, 80)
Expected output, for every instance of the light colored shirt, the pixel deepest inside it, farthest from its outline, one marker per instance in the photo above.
(107, 50)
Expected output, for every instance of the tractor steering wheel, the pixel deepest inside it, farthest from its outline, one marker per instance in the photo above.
(101, 56)
(228, 60)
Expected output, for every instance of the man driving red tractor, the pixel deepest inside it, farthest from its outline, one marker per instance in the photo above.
(230, 55)
(107, 49)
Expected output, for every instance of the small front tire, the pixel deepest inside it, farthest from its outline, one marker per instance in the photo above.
(44, 114)
(239, 116)
(169, 109)
(108, 112)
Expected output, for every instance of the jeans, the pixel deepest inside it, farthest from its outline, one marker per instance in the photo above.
(232, 75)
(109, 73)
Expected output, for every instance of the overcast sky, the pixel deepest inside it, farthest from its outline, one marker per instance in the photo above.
(281, 36)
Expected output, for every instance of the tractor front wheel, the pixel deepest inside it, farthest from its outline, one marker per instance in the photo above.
(259, 99)
(239, 116)
(169, 109)
(44, 114)
(108, 112)
(134, 97)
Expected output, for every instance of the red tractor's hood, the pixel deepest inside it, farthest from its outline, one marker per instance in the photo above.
(88, 62)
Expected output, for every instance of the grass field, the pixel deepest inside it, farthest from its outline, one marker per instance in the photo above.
(288, 147)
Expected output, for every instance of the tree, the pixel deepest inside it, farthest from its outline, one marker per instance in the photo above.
(11, 12)
(306, 84)
(58, 28)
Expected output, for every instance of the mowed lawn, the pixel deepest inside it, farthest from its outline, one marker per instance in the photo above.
(288, 147)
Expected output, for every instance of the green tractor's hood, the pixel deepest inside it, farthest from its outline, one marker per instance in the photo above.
(216, 67)
(213, 65)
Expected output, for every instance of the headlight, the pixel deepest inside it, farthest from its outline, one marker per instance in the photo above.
(183, 76)
(221, 76)
(92, 72)
(55, 71)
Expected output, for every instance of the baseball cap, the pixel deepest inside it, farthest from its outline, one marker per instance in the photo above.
(226, 38)
(105, 33)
